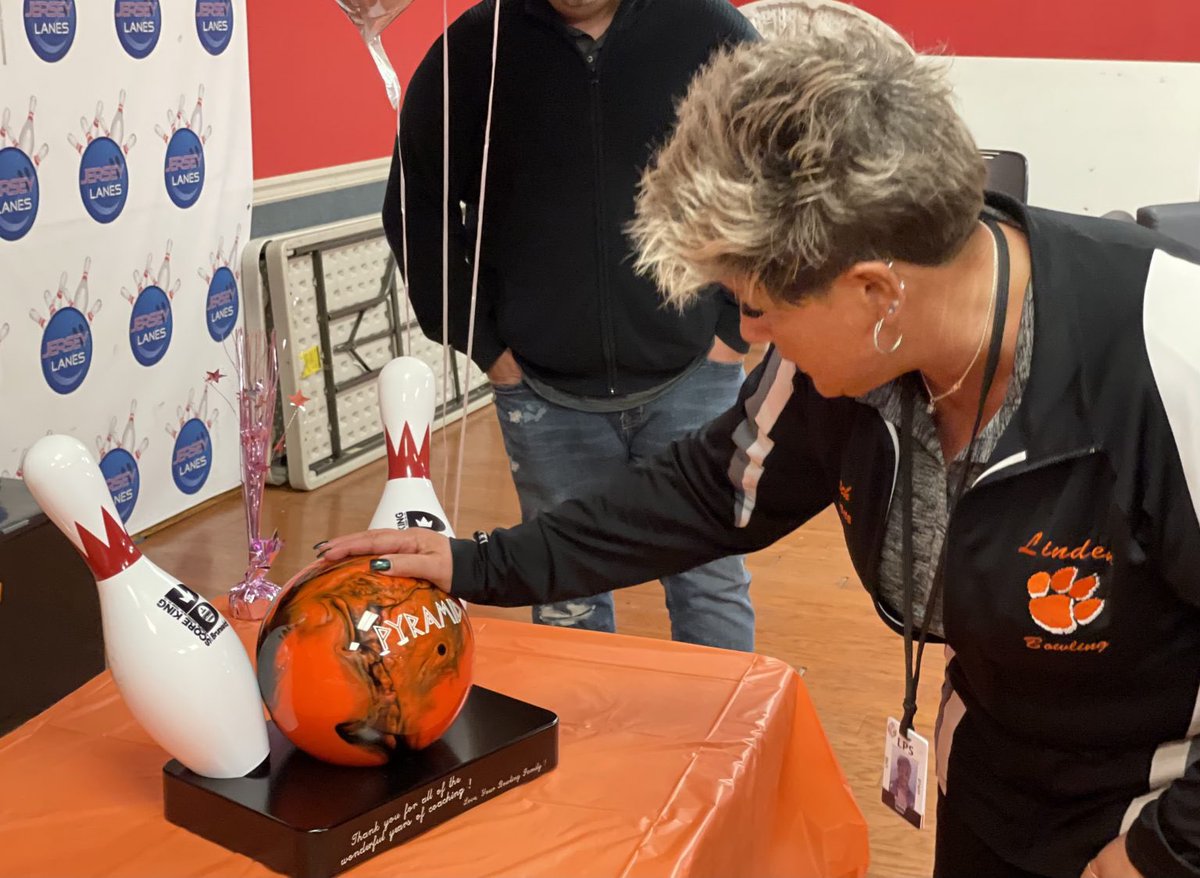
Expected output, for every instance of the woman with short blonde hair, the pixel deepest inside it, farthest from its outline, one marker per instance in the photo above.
(1001, 402)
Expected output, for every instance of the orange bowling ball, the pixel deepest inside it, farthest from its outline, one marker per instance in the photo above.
(354, 665)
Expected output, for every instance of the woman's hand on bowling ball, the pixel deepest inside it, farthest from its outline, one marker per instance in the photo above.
(417, 553)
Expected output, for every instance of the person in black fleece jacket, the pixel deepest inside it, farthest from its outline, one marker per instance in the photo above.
(591, 372)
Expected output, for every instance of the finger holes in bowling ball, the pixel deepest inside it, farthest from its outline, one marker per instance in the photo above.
(441, 649)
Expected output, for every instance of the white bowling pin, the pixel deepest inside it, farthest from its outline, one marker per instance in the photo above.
(117, 129)
(5, 139)
(129, 436)
(196, 123)
(166, 138)
(407, 397)
(98, 127)
(181, 669)
(163, 279)
(82, 294)
(26, 138)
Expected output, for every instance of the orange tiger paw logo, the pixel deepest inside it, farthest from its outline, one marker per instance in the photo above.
(1060, 603)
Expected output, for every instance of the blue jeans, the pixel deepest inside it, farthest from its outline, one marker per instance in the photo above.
(558, 453)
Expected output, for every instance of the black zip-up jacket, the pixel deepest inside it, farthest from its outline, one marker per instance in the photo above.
(567, 149)
(1056, 735)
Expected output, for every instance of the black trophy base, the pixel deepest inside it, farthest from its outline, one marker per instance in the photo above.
(311, 819)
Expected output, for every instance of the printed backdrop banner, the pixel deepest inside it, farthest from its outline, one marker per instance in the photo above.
(125, 190)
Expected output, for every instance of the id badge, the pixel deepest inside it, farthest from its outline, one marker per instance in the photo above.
(905, 767)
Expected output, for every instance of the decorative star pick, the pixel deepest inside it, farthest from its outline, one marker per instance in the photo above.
(213, 377)
(298, 399)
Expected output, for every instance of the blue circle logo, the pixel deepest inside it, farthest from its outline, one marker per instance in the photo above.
(192, 458)
(214, 24)
(66, 350)
(184, 169)
(221, 309)
(18, 194)
(120, 469)
(139, 24)
(50, 27)
(103, 180)
(150, 326)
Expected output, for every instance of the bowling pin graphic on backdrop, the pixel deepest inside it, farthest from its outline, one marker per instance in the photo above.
(26, 139)
(181, 669)
(407, 398)
(116, 130)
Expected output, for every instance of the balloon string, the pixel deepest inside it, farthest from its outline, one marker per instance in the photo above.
(487, 137)
(404, 238)
(446, 348)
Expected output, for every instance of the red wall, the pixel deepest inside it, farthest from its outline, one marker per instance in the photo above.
(1146, 30)
(316, 98)
(318, 101)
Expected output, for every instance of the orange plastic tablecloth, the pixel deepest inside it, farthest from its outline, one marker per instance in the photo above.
(675, 760)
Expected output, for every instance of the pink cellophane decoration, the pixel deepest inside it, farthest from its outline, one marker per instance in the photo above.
(371, 17)
(258, 379)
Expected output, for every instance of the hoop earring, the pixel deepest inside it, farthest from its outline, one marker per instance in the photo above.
(895, 347)
(879, 326)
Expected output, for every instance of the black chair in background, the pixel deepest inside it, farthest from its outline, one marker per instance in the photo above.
(1007, 173)
(1179, 221)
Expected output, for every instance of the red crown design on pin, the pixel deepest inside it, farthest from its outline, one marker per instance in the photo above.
(407, 461)
(107, 558)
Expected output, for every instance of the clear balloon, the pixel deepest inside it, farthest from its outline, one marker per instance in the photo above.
(372, 17)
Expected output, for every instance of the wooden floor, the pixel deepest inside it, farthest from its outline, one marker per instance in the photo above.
(812, 612)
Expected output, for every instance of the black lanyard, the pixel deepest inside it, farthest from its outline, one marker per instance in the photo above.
(912, 674)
